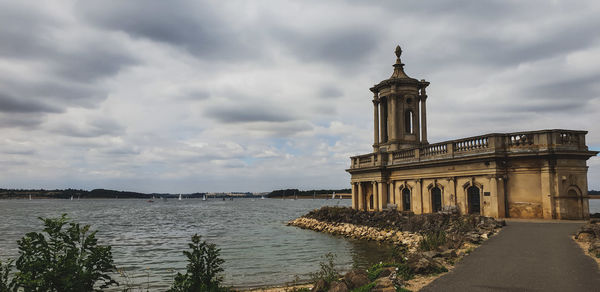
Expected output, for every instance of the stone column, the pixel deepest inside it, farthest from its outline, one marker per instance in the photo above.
(392, 123)
(418, 202)
(417, 121)
(423, 118)
(391, 192)
(361, 199)
(354, 197)
(382, 194)
(375, 197)
(376, 122)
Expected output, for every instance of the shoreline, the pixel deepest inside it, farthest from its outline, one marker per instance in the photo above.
(425, 257)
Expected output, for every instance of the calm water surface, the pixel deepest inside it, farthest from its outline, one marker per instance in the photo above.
(148, 238)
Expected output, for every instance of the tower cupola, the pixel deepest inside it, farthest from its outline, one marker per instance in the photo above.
(399, 112)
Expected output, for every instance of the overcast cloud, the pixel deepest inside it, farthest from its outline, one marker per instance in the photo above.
(186, 96)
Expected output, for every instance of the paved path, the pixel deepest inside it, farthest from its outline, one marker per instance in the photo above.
(525, 256)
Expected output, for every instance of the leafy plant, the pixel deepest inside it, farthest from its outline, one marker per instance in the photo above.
(432, 240)
(5, 283)
(204, 266)
(328, 273)
(66, 258)
(402, 270)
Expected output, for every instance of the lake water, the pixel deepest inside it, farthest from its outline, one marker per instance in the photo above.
(148, 238)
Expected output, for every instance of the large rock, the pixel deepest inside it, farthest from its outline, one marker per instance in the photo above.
(356, 278)
(585, 237)
(320, 286)
(338, 287)
(384, 284)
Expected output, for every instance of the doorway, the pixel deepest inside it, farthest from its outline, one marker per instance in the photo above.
(436, 199)
(474, 200)
(406, 199)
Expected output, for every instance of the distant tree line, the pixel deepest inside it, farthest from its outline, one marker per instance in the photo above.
(84, 194)
(594, 193)
(299, 193)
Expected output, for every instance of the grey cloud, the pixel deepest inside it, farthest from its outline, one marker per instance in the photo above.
(21, 120)
(346, 48)
(329, 91)
(10, 104)
(94, 128)
(245, 114)
(195, 26)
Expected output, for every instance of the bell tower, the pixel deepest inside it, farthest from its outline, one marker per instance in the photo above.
(399, 111)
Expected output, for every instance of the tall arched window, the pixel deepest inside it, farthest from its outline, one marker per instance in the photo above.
(408, 123)
(406, 199)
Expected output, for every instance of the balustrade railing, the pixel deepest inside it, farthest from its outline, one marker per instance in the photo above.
(522, 141)
(471, 144)
(434, 150)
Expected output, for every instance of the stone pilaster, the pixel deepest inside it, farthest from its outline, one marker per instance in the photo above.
(361, 199)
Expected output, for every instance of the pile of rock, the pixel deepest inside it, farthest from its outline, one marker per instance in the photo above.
(410, 239)
(428, 243)
(386, 281)
(590, 234)
(397, 227)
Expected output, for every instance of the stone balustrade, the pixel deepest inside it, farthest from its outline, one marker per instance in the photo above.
(519, 142)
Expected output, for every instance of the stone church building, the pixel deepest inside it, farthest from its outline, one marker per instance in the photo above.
(535, 174)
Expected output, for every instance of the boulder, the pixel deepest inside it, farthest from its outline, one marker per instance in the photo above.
(338, 287)
(383, 283)
(585, 237)
(356, 278)
(320, 286)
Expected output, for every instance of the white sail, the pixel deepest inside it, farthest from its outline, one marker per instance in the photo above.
(333, 196)
(180, 197)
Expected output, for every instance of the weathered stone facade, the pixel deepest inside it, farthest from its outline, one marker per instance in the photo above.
(535, 174)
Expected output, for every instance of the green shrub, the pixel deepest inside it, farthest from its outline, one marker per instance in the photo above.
(204, 266)
(328, 273)
(66, 258)
(5, 283)
(402, 270)
(432, 240)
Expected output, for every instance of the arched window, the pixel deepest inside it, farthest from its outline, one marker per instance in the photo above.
(408, 123)
(406, 199)
(572, 193)
(474, 200)
(436, 199)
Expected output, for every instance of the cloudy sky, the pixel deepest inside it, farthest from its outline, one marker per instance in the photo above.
(185, 96)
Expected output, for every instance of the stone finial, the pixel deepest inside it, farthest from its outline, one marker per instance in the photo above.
(398, 51)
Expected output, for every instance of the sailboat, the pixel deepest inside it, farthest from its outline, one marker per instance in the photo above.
(262, 197)
(30, 197)
(71, 198)
(333, 196)
(180, 197)
(204, 198)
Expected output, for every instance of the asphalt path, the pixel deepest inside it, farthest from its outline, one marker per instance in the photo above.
(525, 256)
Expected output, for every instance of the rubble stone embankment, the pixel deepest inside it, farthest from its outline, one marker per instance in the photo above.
(429, 244)
(397, 227)
(589, 236)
